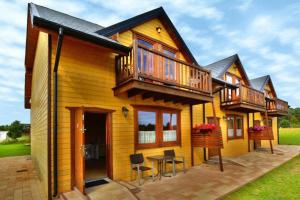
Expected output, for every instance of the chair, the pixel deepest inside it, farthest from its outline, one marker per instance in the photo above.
(171, 158)
(137, 164)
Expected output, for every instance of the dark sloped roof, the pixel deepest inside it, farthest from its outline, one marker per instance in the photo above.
(139, 19)
(260, 82)
(220, 67)
(51, 19)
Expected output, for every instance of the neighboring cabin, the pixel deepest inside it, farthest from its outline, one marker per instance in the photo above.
(3, 135)
(99, 94)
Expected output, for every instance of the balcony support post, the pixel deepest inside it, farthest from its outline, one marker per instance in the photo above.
(203, 121)
(248, 122)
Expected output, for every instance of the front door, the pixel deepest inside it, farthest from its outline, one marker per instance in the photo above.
(79, 150)
(91, 144)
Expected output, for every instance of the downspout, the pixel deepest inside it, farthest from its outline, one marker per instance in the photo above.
(57, 58)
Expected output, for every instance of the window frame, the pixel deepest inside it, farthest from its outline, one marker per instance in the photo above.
(159, 127)
(235, 116)
(212, 118)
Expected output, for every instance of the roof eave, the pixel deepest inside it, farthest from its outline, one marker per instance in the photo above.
(43, 23)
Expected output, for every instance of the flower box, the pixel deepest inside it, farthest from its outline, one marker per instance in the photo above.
(204, 128)
(257, 129)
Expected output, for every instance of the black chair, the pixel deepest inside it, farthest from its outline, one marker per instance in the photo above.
(137, 164)
(171, 158)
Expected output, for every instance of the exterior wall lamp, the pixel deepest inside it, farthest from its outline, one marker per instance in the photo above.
(158, 29)
(125, 111)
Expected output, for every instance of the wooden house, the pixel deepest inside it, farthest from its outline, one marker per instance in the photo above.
(98, 94)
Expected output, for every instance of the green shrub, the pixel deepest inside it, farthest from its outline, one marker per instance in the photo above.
(15, 130)
(24, 139)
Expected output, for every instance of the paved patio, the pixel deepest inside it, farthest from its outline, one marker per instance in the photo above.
(18, 179)
(207, 182)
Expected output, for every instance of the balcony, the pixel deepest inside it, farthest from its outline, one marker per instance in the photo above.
(277, 107)
(242, 99)
(153, 74)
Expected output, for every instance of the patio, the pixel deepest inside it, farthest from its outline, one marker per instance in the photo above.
(207, 182)
(19, 180)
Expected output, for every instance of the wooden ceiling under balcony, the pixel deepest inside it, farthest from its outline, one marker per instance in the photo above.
(158, 92)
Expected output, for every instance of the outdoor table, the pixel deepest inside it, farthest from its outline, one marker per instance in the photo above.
(160, 162)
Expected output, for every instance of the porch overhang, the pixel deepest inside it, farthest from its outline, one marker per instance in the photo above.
(166, 93)
(277, 113)
(244, 107)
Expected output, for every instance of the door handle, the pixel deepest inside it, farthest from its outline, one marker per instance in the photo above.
(83, 150)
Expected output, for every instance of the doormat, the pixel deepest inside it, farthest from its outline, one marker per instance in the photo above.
(95, 183)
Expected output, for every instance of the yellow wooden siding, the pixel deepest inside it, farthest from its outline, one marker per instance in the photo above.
(267, 87)
(233, 69)
(149, 29)
(86, 78)
(39, 110)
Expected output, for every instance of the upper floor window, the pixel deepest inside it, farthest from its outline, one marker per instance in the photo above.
(149, 62)
(144, 58)
(169, 65)
(234, 80)
(157, 127)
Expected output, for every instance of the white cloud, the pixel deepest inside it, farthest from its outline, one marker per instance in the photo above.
(192, 8)
(196, 37)
(243, 5)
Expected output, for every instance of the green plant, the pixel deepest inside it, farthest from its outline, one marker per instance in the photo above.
(284, 123)
(15, 130)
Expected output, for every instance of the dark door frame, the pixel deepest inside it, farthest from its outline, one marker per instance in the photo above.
(109, 148)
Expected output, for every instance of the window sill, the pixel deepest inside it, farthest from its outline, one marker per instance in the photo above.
(148, 146)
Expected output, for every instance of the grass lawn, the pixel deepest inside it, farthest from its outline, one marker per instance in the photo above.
(14, 150)
(289, 136)
(281, 183)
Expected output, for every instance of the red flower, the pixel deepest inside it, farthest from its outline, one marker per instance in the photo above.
(205, 126)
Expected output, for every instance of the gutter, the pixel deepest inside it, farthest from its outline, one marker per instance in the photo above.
(99, 39)
(56, 64)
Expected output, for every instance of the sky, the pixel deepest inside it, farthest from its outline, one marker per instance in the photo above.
(265, 34)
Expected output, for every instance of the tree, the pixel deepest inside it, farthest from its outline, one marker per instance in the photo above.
(15, 130)
(284, 123)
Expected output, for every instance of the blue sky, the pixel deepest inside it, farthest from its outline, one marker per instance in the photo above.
(265, 34)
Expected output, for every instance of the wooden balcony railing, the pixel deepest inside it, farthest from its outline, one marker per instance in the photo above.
(146, 64)
(277, 105)
(242, 94)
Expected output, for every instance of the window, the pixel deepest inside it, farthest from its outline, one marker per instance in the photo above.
(144, 58)
(229, 78)
(170, 71)
(149, 62)
(235, 127)
(211, 120)
(156, 127)
(233, 79)
(269, 122)
(146, 127)
(169, 127)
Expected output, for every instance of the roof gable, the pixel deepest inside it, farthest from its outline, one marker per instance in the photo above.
(142, 18)
(220, 67)
(261, 82)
